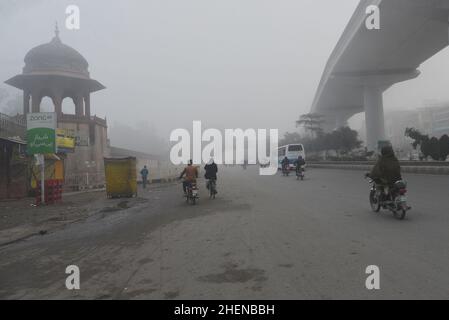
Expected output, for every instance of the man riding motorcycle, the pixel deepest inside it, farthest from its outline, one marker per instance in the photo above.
(191, 174)
(387, 169)
(211, 172)
(300, 162)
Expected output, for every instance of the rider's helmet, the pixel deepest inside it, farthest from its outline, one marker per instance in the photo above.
(190, 162)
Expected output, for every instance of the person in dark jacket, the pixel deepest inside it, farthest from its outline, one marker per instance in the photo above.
(299, 163)
(387, 169)
(285, 163)
(211, 172)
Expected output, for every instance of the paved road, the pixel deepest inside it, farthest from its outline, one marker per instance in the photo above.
(262, 238)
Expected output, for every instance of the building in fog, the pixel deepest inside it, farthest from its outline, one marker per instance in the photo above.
(432, 119)
(58, 71)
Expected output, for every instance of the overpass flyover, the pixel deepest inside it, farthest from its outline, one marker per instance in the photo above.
(366, 62)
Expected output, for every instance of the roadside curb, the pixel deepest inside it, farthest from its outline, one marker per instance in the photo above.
(408, 169)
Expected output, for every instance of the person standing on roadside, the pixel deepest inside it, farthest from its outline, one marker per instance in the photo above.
(144, 173)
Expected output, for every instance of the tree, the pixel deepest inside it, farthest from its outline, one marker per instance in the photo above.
(347, 139)
(417, 136)
(437, 149)
(341, 140)
(311, 122)
(420, 140)
(434, 148)
(444, 147)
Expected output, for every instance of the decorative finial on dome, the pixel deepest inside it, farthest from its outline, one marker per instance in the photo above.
(56, 37)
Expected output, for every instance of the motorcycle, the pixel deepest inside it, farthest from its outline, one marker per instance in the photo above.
(192, 193)
(300, 173)
(389, 198)
(286, 170)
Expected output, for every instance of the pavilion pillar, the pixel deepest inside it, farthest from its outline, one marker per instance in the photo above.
(26, 102)
(35, 102)
(79, 106)
(87, 105)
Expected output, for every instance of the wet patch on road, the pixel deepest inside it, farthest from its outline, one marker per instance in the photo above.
(233, 274)
(171, 295)
(286, 265)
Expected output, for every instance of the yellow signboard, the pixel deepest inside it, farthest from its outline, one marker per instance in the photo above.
(65, 140)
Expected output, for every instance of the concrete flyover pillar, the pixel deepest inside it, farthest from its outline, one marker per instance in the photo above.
(374, 116)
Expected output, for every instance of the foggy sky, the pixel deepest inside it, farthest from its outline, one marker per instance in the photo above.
(228, 63)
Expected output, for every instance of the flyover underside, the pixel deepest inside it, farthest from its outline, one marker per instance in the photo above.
(365, 62)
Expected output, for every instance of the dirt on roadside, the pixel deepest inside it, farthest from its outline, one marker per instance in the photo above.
(20, 219)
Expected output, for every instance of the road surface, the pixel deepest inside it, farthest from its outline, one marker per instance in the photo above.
(262, 238)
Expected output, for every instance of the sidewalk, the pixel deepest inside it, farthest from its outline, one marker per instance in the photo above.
(21, 219)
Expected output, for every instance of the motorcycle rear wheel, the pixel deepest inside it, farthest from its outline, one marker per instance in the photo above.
(374, 201)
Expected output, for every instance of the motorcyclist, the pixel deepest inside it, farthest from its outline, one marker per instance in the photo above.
(191, 174)
(211, 172)
(387, 169)
(300, 162)
(285, 163)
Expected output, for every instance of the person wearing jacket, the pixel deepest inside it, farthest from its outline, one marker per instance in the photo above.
(211, 172)
(387, 169)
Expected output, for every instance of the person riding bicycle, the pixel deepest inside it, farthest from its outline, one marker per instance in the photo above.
(300, 162)
(387, 169)
(211, 172)
(191, 174)
(285, 163)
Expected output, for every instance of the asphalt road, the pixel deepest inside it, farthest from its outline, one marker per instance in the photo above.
(262, 238)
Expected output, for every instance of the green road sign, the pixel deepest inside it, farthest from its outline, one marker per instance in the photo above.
(41, 133)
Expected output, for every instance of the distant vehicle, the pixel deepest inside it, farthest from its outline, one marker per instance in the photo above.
(285, 171)
(292, 152)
